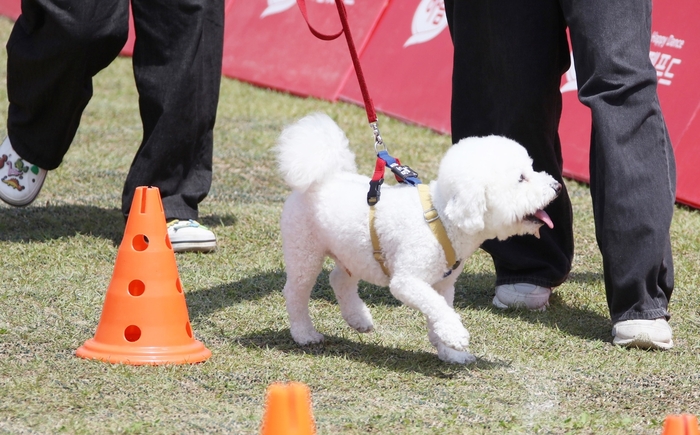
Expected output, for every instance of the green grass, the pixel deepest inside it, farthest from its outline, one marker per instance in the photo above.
(554, 372)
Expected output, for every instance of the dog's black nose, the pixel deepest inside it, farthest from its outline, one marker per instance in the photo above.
(557, 188)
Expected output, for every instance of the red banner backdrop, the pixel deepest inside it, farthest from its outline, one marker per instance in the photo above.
(10, 8)
(406, 56)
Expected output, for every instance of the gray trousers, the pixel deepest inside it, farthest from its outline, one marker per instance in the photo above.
(508, 62)
(57, 46)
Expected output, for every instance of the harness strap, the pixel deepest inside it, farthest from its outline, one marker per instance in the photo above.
(403, 174)
(376, 248)
(432, 219)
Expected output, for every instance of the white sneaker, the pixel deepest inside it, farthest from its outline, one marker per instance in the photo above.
(643, 333)
(190, 236)
(522, 295)
(21, 181)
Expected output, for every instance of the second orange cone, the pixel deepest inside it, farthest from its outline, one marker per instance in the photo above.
(683, 424)
(288, 410)
(144, 318)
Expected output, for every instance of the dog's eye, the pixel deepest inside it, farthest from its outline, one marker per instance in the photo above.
(522, 178)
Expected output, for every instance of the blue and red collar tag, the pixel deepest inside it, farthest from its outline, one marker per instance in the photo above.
(402, 173)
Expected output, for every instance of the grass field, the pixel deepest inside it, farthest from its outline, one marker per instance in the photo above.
(552, 373)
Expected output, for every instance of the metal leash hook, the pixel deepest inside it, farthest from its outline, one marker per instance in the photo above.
(378, 142)
(402, 173)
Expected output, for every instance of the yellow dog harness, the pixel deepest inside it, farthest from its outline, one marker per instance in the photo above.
(431, 218)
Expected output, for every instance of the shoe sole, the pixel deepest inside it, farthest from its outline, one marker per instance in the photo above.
(520, 306)
(201, 246)
(642, 341)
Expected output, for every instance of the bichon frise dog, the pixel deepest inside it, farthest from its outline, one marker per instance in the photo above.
(486, 188)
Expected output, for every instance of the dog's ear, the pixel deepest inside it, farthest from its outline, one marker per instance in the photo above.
(466, 209)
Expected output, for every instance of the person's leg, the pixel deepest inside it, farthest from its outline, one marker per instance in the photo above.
(508, 61)
(633, 177)
(177, 66)
(53, 52)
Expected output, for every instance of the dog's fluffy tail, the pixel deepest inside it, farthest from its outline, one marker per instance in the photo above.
(311, 150)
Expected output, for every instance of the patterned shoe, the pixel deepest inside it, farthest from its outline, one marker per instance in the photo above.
(190, 236)
(21, 181)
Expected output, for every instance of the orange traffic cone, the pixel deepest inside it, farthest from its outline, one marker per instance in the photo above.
(144, 318)
(288, 410)
(684, 424)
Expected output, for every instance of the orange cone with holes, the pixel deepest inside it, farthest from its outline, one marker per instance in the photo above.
(144, 318)
(288, 410)
(684, 424)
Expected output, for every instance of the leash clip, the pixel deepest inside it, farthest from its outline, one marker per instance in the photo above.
(374, 191)
(378, 142)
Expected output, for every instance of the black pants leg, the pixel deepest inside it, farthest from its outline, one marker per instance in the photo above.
(633, 174)
(508, 61)
(54, 50)
(177, 65)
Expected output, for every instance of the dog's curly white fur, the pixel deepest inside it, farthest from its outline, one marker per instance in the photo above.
(486, 188)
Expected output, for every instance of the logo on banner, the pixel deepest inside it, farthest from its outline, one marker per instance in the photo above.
(662, 60)
(279, 6)
(429, 20)
(660, 55)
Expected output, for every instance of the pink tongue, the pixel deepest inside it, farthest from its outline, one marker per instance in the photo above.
(544, 217)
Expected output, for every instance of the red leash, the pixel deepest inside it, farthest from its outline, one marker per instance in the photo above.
(369, 106)
(403, 174)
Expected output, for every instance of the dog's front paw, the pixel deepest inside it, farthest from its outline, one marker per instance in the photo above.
(453, 356)
(453, 336)
(306, 336)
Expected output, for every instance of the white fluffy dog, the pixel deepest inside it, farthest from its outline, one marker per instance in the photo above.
(486, 188)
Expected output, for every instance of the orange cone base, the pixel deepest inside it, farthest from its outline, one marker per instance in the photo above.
(194, 352)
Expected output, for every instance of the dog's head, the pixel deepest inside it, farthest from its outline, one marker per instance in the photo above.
(488, 186)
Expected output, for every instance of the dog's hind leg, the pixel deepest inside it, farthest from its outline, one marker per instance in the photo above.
(297, 294)
(353, 309)
(303, 259)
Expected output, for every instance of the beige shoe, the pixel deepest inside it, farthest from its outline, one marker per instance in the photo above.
(522, 295)
(643, 333)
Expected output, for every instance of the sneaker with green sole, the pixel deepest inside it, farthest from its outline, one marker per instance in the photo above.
(190, 236)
